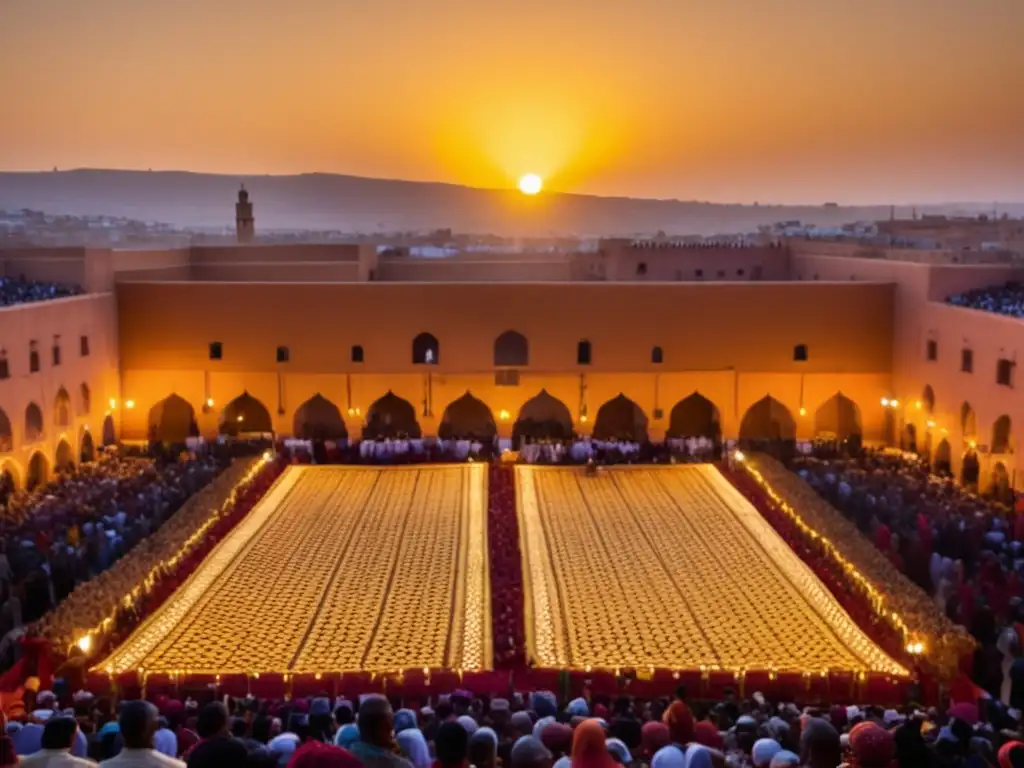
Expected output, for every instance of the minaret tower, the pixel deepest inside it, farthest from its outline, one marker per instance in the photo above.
(245, 224)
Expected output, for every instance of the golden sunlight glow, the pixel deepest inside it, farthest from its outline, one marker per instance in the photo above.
(530, 184)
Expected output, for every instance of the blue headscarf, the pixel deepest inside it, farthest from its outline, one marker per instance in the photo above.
(347, 736)
(404, 719)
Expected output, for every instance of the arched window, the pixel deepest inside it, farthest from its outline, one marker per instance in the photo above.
(33, 423)
(426, 350)
(86, 399)
(800, 353)
(583, 353)
(511, 349)
(656, 356)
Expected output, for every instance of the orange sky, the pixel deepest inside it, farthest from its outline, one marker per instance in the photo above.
(726, 100)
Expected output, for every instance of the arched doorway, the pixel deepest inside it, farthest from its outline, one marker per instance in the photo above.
(467, 418)
(944, 459)
(542, 417)
(38, 471)
(621, 419)
(62, 409)
(391, 416)
(767, 419)
(6, 433)
(86, 397)
(1002, 435)
(87, 452)
(33, 423)
(1000, 481)
(109, 433)
(908, 440)
(65, 457)
(245, 415)
(925, 451)
(695, 416)
(928, 399)
(319, 419)
(968, 422)
(511, 349)
(426, 350)
(838, 417)
(970, 470)
(172, 421)
(8, 480)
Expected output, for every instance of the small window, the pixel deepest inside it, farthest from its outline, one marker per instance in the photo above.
(800, 353)
(656, 356)
(282, 354)
(5, 368)
(357, 353)
(698, 273)
(56, 355)
(740, 272)
(932, 351)
(506, 378)
(216, 350)
(641, 268)
(815, 275)
(967, 360)
(721, 274)
(83, 346)
(583, 353)
(1004, 372)
(33, 358)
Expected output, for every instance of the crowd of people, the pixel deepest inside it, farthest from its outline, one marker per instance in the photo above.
(962, 549)
(523, 730)
(1006, 299)
(18, 290)
(68, 532)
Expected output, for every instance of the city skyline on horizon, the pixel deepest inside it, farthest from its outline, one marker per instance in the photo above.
(784, 104)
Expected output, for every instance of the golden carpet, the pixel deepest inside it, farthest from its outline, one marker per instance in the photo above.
(670, 567)
(338, 569)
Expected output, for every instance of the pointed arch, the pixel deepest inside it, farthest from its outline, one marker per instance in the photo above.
(767, 419)
(1000, 479)
(6, 433)
(64, 458)
(621, 419)
(426, 349)
(34, 427)
(62, 409)
(10, 479)
(319, 419)
(542, 417)
(838, 416)
(467, 417)
(943, 458)
(928, 399)
(1002, 435)
(245, 414)
(172, 420)
(109, 431)
(391, 416)
(86, 450)
(968, 422)
(908, 440)
(511, 349)
(695, 416)
(38, 471)
(970, 470)
(86, 397)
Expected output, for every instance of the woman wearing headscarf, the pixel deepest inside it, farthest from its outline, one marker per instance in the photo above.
(483, 748)
(654, 736)
(413, 744)
(315, 754)
(670, 757)
(589, 749)
(467, 722)
(706, 733)
(679, 720)
(404, 718)
(347, 736)
(871, 746)
(763, 752)
(699, 756)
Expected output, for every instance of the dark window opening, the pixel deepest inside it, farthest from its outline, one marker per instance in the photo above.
(932, 351)
(800, 353)
(641, 268)
(1004, 372)
(721, 273)
(5, 368)
(216, 350)
(282, 354)
(56, 355)
(656, 356)
(698, 272)
(83, 346)
(583, 353)
(357, 353)
(739, 272)
(426, 350)
(967, 360)
(33, 358)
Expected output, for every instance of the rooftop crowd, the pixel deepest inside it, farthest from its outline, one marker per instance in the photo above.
(957, 546)
(522, 731)
(1006, 299)
(18, 290)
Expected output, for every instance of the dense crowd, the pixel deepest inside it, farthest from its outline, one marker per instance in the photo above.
(18, 290)
(71, 530)
(521, 731)
(1006, 299)
(957, 546)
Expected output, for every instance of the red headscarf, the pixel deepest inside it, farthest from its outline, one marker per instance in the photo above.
(654, 736)
(1006, 753)
(679, 720)
(589, 747)
(314, 754)
(872, 746)
(706, 733)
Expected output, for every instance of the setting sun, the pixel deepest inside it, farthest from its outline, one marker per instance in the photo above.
(530, 184)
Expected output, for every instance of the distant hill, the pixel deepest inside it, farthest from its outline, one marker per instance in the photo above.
(353, 204)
